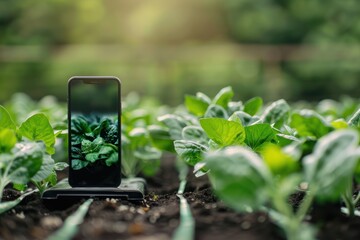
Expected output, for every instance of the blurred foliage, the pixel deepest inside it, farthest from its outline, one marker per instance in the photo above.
(167, 48)
(294, 21)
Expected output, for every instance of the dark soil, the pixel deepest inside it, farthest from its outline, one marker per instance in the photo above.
(158, 216)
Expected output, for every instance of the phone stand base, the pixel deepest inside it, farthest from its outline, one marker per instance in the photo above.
(132, 189)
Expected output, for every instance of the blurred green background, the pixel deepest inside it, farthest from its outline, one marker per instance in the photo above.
(292, 49)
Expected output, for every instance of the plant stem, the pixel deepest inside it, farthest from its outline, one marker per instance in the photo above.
(357, 199)
(305, 204)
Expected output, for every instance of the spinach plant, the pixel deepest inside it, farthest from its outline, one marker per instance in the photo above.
(25, 152)
(94, 141)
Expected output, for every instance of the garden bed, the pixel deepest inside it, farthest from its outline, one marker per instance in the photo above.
(158, 216)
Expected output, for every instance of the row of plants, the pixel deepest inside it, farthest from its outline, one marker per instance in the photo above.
(256, 157)
(34, 136)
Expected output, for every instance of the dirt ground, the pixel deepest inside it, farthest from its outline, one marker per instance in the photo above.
(158, 216)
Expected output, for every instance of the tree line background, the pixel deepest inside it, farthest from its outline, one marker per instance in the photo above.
(292, 49)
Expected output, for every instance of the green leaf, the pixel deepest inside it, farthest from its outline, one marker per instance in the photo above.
(195, 105)
(191, 152)
(46, 169)
(90, 147)
(7, 140)
(278, 161)
(239, 176)
(160, 138)
(92, 157)
(112, 159)
(195, 134)
(5, 119)
(216, 111)
(223, 132)
(339, 124)
(258, 134)
(37, 127)
(276, 113)
(309, 124)
(6, 206)
(245, 118)
(27, 162)
(77, 164)
(223, 97)
(71, 224)
(330, 167)
(203, 97)
(174, 123)
(355, 119)
(253, 105)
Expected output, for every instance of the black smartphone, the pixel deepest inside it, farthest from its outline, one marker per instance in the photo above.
(94, 110)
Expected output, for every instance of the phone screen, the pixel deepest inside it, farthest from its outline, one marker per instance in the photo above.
(94, 131)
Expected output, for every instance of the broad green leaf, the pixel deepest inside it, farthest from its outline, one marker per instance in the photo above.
(223, 97)
(190, 151)
(45, 170)
(239, 176)
(203, 97)
(234, 107)
(37, 127)
(355, 119)
(147, 153)
(90, 147)
(195, 134)
(216, 111)
(339, 124)
(112, 159)
(278, 161)
(5, 206)
(309, 124)
(276, 113)
(92, 157)
(195, 105)
(245, 118)
(253, 105)
(175, 125)
(160, 138)
(223, 132)
(27, 162)
(5, 119)
(106, 150)
(284, 139)
(71, 224)
(258, 134)
(330, 167)
(77, 164)
(7, 140)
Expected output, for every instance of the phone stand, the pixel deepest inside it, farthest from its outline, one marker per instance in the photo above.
(131, 189)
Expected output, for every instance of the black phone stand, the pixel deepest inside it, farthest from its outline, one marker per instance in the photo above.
(130, 189)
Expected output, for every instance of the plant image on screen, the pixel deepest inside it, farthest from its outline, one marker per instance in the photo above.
(94, 141)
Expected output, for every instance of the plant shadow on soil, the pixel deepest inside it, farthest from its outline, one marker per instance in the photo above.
(158, 215)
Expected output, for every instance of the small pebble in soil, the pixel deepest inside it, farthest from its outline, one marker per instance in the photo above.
(20, 215)
(140, 211)
(123, 208)
(304, 186)
(245, 225)
(261, 219)
(111, 200)
(51, 222)
(153, 218)
(136, 228)
(132, 209)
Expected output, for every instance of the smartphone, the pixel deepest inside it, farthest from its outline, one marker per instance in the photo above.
(94, 110)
